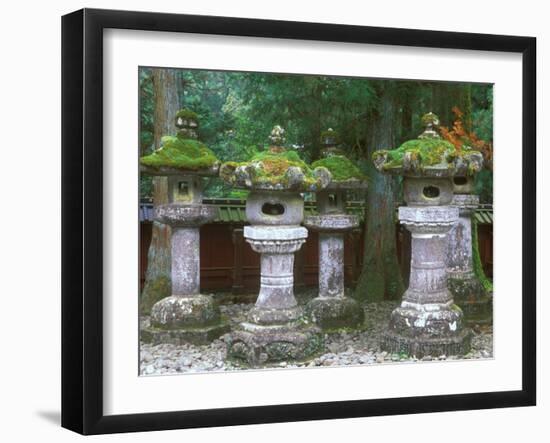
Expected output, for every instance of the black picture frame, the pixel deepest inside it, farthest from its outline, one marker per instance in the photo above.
(82, 218)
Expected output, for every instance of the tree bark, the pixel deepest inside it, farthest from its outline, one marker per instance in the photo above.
(157, 277)
(380, 275)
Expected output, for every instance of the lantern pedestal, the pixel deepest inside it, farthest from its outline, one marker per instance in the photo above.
(185, 316)
(275, 329)
(331, 309)
(428, 322)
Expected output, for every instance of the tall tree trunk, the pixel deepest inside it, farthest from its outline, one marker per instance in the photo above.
(157, 277)
(380, 275)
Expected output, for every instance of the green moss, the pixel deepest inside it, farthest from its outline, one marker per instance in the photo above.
(270, 167)
(155, 289)
(427, 152)
(340, 167)
(186, 113)
(478, 267)
(180, 153)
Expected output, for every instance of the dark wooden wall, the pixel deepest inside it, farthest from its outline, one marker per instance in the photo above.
(229, 264)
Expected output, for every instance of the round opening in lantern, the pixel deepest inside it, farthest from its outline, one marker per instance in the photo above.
(460, 181)
(273, 209)
(431, 192)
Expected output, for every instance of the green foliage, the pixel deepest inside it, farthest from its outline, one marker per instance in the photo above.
(176, 152)
(482, 114)
(237, 111)
(330, 134)
(340, 167)
(145, 186)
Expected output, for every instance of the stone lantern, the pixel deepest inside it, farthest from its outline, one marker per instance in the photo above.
(331, 309)
(428, 322)
(275, 329)
(187, 315)
(467, 290)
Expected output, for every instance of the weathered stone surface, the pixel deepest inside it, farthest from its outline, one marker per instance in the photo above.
(426, 191)
(335, 312)
(277, 244)
(175, 214)
(198, 335)
(467, 290)
(186, 315)
(274, 330)
(432, 220)
(463, 185)
(331, 265)
(331, 309)
(332, 222)
(179, 311)
(420, 347)
(469, 294)
(259, 346)
(427, 322)
(185, 261)
(274, 208)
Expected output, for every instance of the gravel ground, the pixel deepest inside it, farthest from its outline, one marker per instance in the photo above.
(343, 348)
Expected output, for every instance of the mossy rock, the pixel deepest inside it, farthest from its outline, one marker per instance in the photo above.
(279, 170)
(182, 154)
(340, 167)
(428, 157)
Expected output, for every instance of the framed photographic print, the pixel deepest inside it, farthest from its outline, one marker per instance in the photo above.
(270, 221)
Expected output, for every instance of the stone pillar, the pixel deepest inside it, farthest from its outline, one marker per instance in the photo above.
(356, 255)
(187, 315)
(331, 264)
(466, 288)
(186, 265)
(331, 309)
(238, 275)
(428, 322)
(274, 330)
(299, 270)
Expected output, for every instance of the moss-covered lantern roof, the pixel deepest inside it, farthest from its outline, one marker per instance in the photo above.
(345, 174)
(428, 156)
(276, 169)
(182, 154)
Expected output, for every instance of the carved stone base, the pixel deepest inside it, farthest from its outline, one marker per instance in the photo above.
(424, 346)
(264, 345)
(335, 312)
(469, 294)
(185, 319)
(436, 331)
(196, 336)
(184, 311)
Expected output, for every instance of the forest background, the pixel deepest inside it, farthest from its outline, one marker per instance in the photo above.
(237, 111)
